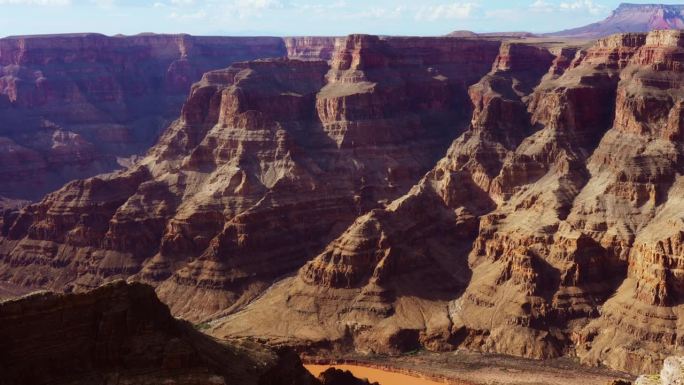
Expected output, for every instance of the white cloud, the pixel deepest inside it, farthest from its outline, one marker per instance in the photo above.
(319, 7)
(199, 15)
(380, 13)
(36, 2)
(245, 9)
(219, 11)
(541, 6)
(257, 4)
(583, 5)
(457, 10)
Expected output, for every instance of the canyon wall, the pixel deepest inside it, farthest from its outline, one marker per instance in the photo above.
(268, 162)
(401, 193)
(551, 227)
(73, 106)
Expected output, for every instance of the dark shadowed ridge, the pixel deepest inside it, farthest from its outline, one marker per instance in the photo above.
(122, 333)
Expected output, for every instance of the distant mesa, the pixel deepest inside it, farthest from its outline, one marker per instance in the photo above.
(626, 18)
(631, 18)
(463, 34)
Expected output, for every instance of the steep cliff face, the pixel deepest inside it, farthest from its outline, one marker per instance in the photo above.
(636, 209)
(72, 106)
(121, 333)
(551, 227)
(385, 284)
(524, 296)
(268, 162)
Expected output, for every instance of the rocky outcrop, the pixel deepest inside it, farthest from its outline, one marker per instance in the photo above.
(122, 333)
(269, 161)
(551, 227)
(631, 18)
(72, 106)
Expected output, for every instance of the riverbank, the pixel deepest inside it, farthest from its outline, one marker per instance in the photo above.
(464, 368)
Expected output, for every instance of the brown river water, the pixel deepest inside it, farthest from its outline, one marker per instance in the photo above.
(376, 375)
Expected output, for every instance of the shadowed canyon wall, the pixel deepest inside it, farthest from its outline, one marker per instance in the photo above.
(73, 106)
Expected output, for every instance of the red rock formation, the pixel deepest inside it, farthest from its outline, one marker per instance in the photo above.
(636, 217)
(337, 163)
(385, 284)
(223, 205)
(551, 227)
(122, 333)
(73, 106)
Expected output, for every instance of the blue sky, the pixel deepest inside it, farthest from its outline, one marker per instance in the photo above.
(298, 17)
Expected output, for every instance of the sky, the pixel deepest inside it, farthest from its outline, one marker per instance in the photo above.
(298, 17)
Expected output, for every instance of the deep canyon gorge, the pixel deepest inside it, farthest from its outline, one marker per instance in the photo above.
(339, 196)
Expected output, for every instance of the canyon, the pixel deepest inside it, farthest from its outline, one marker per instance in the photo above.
(76, 105)
(361, 195)
(260, 148)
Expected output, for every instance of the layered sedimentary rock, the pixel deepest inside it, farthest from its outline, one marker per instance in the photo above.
(551, 227)
(269, 161)
(635, 212)
(72, 106)
(385, 284)
(121, 333)
(532, 282)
